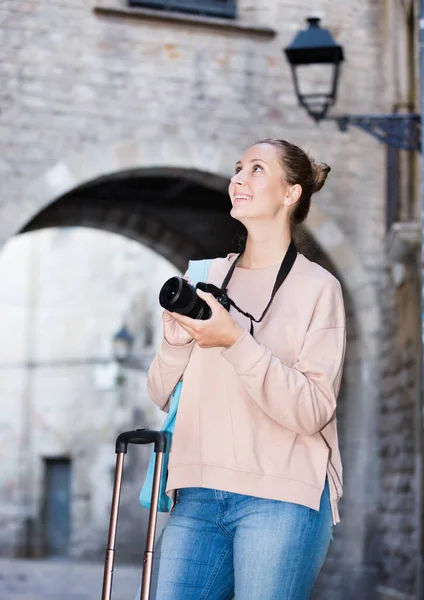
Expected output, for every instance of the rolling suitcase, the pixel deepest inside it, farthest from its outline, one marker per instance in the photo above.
(139, 436)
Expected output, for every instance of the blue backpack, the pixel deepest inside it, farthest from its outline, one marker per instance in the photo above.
(198, 271)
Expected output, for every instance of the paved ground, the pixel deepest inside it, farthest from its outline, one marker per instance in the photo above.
(63, 580)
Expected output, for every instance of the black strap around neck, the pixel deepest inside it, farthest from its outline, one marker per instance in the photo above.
(284, 270)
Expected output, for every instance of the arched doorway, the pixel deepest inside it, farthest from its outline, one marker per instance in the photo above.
(171, 211)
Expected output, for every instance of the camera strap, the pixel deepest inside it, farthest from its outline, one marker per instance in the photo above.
(285, 268)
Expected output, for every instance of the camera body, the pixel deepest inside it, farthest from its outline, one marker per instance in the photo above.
(178, 295)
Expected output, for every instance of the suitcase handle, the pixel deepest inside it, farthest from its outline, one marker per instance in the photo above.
(140, 436)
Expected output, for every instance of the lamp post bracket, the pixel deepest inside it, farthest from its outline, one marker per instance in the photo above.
(402, 131)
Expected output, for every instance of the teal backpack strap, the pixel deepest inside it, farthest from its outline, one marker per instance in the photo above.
(198, 270)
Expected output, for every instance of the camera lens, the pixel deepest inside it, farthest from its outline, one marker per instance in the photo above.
(177, 295)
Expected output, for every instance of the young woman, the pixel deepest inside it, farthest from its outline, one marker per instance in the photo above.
(255, 464)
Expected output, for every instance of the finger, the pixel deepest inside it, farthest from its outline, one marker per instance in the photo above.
(183, 320)
(208, 298)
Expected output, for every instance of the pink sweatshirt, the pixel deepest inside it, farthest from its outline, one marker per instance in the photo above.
(259, 418)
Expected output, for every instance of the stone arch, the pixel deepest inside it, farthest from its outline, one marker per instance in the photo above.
(209, 168)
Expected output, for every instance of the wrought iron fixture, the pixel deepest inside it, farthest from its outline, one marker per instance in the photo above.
(316, 46)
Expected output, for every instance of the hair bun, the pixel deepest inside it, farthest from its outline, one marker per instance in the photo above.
(320, 172)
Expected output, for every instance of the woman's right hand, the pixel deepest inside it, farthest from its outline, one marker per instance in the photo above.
(173, 332)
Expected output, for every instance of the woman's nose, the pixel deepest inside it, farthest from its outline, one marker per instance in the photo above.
(237, 179)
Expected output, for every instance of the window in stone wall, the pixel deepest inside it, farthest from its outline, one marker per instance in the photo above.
(215, 8)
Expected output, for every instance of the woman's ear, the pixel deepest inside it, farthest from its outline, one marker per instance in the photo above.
(293, 194)
(296, 192)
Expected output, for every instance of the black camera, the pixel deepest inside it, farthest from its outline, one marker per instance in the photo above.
(177, 295)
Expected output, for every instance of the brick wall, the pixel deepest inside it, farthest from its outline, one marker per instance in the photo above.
(398, 425)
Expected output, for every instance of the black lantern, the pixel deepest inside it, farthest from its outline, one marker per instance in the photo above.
(122, 344)
(315, 46)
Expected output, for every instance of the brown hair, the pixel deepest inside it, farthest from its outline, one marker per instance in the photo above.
(299, 168)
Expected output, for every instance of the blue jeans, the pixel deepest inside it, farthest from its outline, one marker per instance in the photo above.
(217, 545)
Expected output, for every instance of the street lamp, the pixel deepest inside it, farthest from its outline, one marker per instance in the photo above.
(316, 46)
(122, 344)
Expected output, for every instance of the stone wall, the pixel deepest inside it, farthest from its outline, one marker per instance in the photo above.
(88, 79)
(398, 442)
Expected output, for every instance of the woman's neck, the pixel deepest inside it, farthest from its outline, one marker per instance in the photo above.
(264, 249)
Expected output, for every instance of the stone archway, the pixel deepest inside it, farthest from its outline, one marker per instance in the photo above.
(45, 204)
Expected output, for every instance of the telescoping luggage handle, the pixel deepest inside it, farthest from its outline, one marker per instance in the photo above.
(138, 436)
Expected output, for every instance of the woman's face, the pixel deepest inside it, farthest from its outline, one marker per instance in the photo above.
(258, 189)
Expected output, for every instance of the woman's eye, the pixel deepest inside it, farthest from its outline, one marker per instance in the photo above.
(255, 167)
(237, 170)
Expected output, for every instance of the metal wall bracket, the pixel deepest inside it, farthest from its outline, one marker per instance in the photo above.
(402, 131)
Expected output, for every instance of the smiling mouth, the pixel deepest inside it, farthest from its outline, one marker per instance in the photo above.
(242, 197)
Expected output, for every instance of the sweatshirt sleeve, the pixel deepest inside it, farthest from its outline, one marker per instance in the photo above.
(302, 397)
(166, 370)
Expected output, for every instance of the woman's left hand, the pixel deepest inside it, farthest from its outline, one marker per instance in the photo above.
(220, 330)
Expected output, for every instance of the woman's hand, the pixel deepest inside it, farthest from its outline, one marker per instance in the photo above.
(219, 331)
(173, 332)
